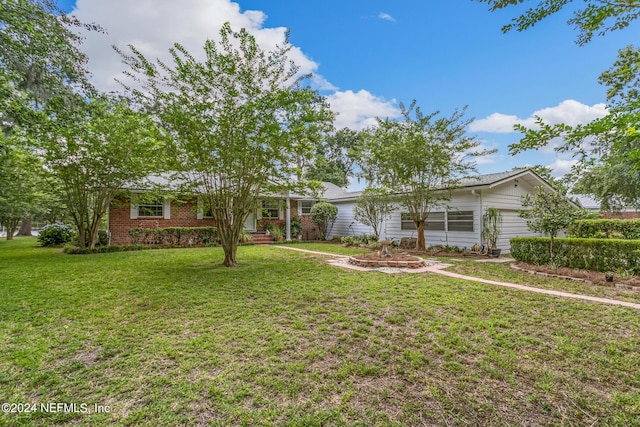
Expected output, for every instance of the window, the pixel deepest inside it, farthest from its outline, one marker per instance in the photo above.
(152, 209)
(270, 209)
(406, 223)
(460, 221)
(435, 222)
(305, 206)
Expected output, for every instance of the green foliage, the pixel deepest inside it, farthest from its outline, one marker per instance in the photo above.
(334, 158)
(324, 214)
(363, 240)
(597, 18)
(628, 229)
(55, 234)
(491, 226)
(373, 207)
(174, 236)
(296, 225)
(40, 58)
(608, 149)
(74, 250)
(245, 237)
(21, 185)
(96, 149)
(276, 231)
(549, 212)
(422, 158)
(241, 123)
(590, 254)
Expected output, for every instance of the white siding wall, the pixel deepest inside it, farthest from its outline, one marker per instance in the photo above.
(507, 198)
(460, 201)
(345, 224)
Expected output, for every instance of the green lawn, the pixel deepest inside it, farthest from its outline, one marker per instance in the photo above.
(169, 337)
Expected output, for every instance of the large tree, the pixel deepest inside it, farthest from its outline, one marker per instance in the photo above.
(21, 184)
(608, 146)
(334, 159)
(40, 58)
(422, 158)
(95, 149)
(242, 125)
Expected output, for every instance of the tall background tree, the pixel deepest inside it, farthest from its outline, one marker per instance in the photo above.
(422, 158)
(334, 158)
(609, 146)
(40, 60)
(241, 123)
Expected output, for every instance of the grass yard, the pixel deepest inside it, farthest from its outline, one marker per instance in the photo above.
(169, 337)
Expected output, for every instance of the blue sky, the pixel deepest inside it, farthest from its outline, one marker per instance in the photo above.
(371, 55)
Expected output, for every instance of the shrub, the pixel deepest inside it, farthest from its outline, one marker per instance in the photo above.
(55, 234)
(605, 229)
(174, 236)
(361, 240)
(74, 250)
(296, 226)
(324, 214)
(590, 254)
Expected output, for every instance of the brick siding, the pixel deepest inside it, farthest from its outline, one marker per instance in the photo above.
(184, 215)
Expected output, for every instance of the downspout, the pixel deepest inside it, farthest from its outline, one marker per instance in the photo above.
(288, 220)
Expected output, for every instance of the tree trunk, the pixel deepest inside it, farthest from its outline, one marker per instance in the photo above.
(25, 227)
(12, 226)
(420, 244)
(230, 249)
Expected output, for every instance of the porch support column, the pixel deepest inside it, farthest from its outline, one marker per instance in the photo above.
(288, 220)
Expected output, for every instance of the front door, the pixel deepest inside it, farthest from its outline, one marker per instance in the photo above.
(250, 222)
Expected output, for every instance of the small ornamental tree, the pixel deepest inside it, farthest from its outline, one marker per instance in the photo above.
(422, 157)
(549, 212)
(324, 215)
(373, 207)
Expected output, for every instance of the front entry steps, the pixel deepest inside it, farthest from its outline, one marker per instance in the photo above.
(261, 238)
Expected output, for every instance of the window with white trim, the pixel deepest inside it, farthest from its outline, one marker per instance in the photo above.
(305, 206)
(460, 220)
(152, 209)
(270, 209)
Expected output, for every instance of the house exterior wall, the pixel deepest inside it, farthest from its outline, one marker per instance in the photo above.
(461, 200)
(185, 215)
(507, 198)
(120, 221)
(345, 224)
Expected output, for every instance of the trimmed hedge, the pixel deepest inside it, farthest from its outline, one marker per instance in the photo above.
(628, 229)
(590, 254)
(74, 250)
(174, 236)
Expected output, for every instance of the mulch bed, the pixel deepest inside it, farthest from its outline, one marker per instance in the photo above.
(595, 277)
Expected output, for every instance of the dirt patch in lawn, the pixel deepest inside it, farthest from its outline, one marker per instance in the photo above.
(588, 276)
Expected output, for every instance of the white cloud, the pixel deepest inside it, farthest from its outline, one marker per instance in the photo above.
(153, 26)
(561, 167)
(358, 110)
(386, 17)
(570, 112)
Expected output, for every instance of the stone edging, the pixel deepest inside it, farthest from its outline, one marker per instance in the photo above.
(575, 279)
(417, 263)
(541, 273)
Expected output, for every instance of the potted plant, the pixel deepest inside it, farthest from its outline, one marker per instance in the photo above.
(491, 227)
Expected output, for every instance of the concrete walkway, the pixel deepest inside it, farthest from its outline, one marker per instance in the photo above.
(439, 269)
